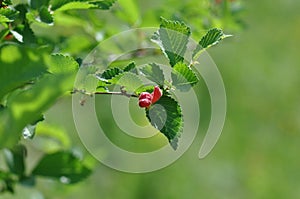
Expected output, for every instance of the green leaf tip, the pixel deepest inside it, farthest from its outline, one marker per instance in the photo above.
(172, 37)
(211, 38)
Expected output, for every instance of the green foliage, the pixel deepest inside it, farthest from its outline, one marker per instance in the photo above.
(36, 90)
(110, 73)
(166, 116)
(172, 37)
(153, 73)
(183, 77)
(73, 4)
(39, 53)
(8, 15)
(67, 168)
(60, 64)
(15, 159)
(45, 15)
(131, 68)
(129, 81)
(211, 38)
(19, 65)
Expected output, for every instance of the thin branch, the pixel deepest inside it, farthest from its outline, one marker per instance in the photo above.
(115, 93)
(122, 92)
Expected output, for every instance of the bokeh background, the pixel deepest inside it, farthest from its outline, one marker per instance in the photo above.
(257, 155)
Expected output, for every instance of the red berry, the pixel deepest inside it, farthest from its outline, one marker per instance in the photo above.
(144, 103)
(157, 93)
(145, 95)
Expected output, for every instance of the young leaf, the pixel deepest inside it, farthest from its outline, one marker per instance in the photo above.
(153, 73)
(211, 38)
(172, 37)
(110, 73)
(63, 166)
(166, 116)
(183, 77)
(131, 68)
(128, 80)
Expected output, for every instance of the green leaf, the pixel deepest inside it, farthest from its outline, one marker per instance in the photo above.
(75, 4)
(28, 35)
(131, 68)
(4, 19)
(36, 4)
(129, 81)
(63, 166)
(211, 38)
(72, 4)
(172, 37)
(60, 64)
(3, 32)
(86, 79)
(15, 159)
(45, 15)
(104, 5)
(110, 73)
(8, 182)
(9, 14)
(19, 65)
(55, 4)
(183, 77)
(166, 116)
(25, 106)
(153, 73)
(144, 88)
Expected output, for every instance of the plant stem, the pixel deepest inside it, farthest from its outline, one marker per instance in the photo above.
(122, 92)
(115, 93)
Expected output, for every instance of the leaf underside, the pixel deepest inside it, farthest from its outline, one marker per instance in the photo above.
(183, 77)
(166, 116)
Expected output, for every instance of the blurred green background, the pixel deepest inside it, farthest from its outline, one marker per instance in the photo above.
(257, 155)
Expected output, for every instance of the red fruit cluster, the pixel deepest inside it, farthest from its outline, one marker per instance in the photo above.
(146, 99)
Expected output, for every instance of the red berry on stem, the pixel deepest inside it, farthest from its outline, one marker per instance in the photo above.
(145, 99)
(144, 103)
(157, 93)
(145, 95)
